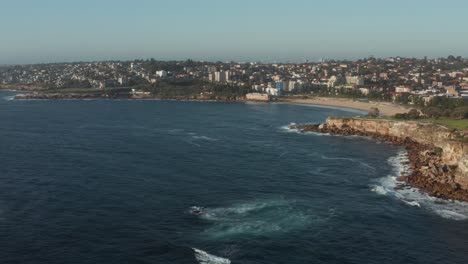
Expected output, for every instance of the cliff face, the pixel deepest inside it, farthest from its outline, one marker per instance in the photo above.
(454, 151)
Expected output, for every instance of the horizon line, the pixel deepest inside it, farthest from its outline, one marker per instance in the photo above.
(232, 61)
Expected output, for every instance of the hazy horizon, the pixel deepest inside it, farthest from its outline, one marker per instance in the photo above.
(229, 61)
(266, 31)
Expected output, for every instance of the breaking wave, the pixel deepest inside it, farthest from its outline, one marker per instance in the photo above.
(205, 258)
(410, 196)
(287, 129)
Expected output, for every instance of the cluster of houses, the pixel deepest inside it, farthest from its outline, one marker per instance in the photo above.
(395, 76)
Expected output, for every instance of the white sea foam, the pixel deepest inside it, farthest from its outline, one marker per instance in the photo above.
(9, 98)
(205, 258)
(288, 129)
(265, 225)
(318, 134)
(451, 215)
(259, 218)
(413, 203)
(412, 196)
(239, 210)
(203, 138)
(380, 190)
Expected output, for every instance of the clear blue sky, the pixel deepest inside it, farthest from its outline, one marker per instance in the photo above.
(246, 30)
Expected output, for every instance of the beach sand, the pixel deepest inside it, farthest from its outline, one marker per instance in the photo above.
(387, 109)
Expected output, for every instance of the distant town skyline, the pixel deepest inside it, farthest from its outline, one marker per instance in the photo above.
(267, 31)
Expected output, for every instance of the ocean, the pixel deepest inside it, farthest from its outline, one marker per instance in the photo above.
(121, 181)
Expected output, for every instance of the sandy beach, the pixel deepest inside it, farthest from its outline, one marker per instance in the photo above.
(387, 109)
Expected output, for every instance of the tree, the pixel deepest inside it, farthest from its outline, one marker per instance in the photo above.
(446, 113)
(403, 99)
(413, 114)
(432, 111)
(418, 101)
(401, 116)
(460, 113)
(373, 112)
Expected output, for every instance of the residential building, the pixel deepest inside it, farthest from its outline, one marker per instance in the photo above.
(161, 74)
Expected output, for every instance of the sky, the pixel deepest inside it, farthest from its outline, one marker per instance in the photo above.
(39, 31)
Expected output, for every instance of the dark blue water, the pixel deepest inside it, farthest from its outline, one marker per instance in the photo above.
(114, 182)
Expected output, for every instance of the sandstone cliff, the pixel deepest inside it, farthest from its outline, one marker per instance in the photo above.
(438, 156)
(454, 149)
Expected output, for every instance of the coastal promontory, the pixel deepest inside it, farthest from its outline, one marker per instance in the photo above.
(438, 156)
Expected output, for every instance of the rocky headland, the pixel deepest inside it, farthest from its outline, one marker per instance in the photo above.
(438, 156)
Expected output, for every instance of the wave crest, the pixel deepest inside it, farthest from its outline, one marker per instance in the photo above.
(205, 258)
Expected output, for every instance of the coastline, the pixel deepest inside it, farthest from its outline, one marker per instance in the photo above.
(433, 169)
(386, 109)
(95, 96)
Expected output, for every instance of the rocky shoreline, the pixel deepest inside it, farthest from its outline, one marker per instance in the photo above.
(428, 171)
